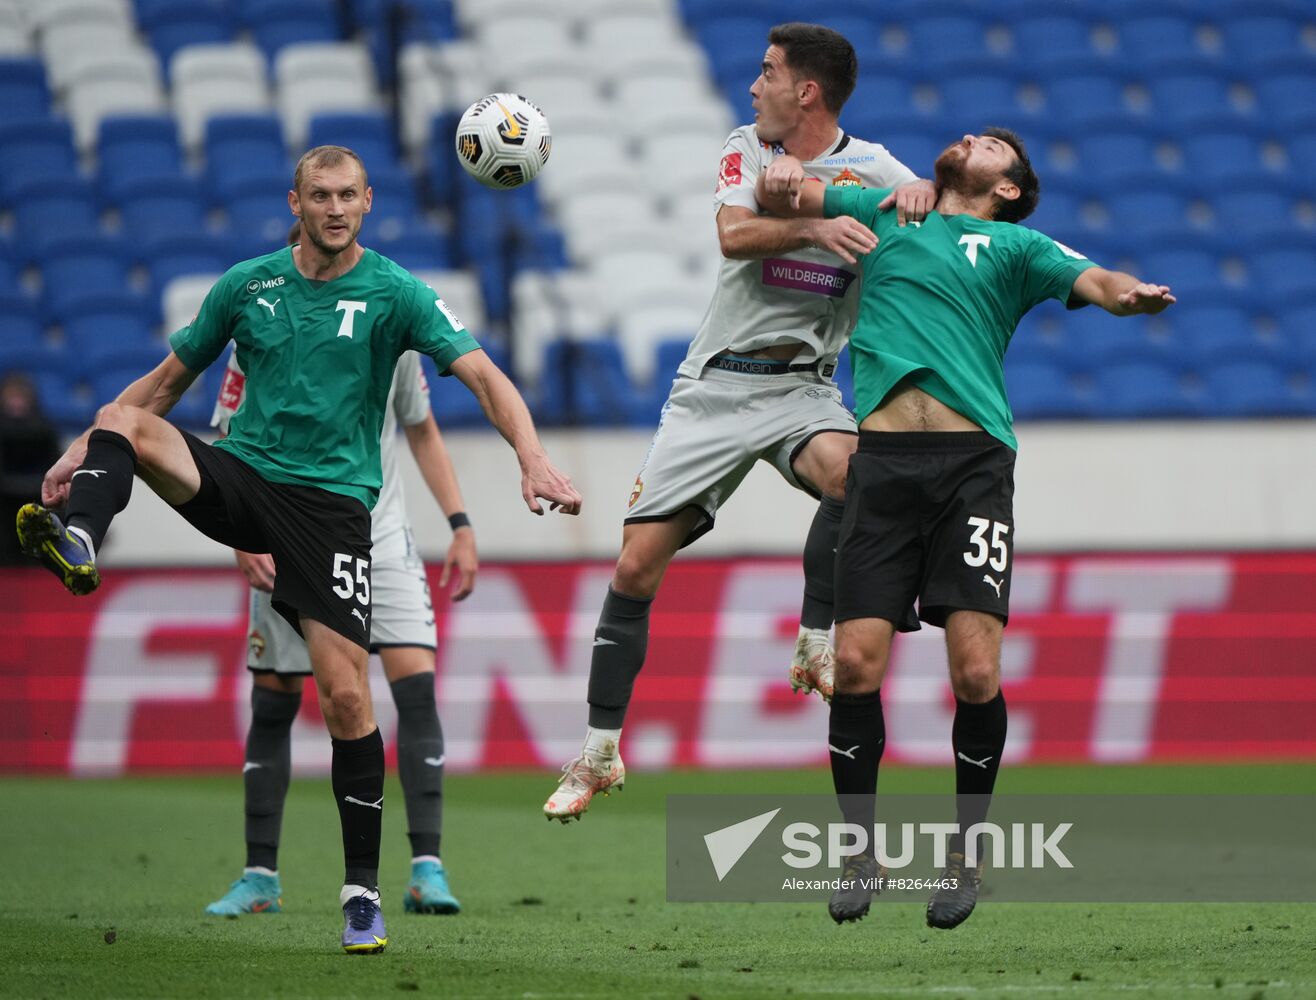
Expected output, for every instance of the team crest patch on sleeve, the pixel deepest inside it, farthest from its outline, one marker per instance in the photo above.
(728, 174)
(636, 490)
(847, 178)
(230, 390)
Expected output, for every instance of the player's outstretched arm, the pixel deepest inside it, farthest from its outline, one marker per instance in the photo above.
(435, 465)
(1122, 294)
(783, 190)
(156, 392)
(913, 201)
(507, 411)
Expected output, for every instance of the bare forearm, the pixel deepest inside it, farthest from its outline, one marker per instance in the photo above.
(760, 237)
(436, 469)
(507, 411)
(153, 393)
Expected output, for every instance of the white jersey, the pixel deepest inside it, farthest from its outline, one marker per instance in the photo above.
(408, 404)
(810, 297)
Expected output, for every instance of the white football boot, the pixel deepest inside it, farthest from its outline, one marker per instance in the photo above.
(597, 769)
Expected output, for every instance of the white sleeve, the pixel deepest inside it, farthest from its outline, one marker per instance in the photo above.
(738, 171)
(232, 391)
(411, 393)
(888, 171)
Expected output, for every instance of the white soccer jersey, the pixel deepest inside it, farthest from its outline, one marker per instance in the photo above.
(408, 404)
(805, 296)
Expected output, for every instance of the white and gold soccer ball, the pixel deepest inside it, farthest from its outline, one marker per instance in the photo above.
(503, 140)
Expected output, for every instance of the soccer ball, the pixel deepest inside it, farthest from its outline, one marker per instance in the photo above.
(503, 140)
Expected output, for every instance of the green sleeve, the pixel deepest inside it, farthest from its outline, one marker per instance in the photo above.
(1051, 270)
(204, 339)
(434, 329)
(857, 202)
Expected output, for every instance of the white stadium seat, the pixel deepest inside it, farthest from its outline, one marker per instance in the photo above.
(44, 14)
(321, 77)
(65, 46)
(112, 88)
(641, 329)
(15, 35)
(183, 296)
(240, 61)
(197, 102)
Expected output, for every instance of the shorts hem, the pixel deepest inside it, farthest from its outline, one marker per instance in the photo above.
(795, 453)
(699, 531)
(280, 673)
(902, 622)
(375, 647)
(936, 614)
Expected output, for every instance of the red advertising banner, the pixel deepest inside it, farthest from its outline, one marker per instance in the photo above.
(1107, 658)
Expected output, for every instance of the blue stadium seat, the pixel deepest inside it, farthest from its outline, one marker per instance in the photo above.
(80, 271)
(276, 23)
(1255, 209)
(1287, 99)
(35, 149)
(886, 94)
(1056, 38)
(973, 101)
(24, 329)
(258, 215)
(23, 92)
(188, 24)
(1141, 389)
(1152, 205)
(1187, 98)
(1098, 340)
(137, 148)
(1057, 210)
(395, 206)
(1189, 268)
(735, 47)
(1223, 153)
(1220, 329)
(1116, 153)
(452, 403)
(945, 40)
(914, 146)
(1148, 40)
(94, 336)
(1040, 391)
(1082, 98)
(1257, 37)
(602, 393)
(242, 147)
(156, 207)
(1245, 388)
(419, 248)
(149, 11)
(51, 209)
(368, 134)
(171, 255)
(1285, 267)
(65, 401)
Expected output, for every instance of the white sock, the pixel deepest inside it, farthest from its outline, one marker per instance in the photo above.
(426, 857)
(352, 891)
(85, 539)
(602, 743)
(812, 635)
(258, 870)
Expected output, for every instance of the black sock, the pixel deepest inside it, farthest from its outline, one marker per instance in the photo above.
(621, 641)
(420, 760)
(820, 564)
(266, 772)
(104, 486)
(978, 738)
(856, 737)
(358, 780)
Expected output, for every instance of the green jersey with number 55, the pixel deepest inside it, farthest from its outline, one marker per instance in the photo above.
(319, 359)
(941, 301)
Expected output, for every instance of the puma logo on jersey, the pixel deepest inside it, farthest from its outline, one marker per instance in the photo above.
(995, 584)
(268, 305)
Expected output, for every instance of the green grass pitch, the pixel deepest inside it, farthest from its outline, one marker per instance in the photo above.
(106, 882)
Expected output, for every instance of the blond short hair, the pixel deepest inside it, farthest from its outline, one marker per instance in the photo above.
(325, 156)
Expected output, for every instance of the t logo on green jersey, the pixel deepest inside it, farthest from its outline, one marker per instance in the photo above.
(349, 309)
(971, 242)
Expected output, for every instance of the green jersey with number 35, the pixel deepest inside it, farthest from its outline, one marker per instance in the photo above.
(941, 301)
(319, 360)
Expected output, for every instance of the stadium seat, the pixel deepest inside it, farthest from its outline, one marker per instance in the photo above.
(1257, 37)
(174, 255)
(943, 41)
(1250, 210)
(183, 296)
(137, 148)
(216, 80)
(1218, 330)
(178, 24)
(94, 335)
(37, 149)
(1287, 99)
(23, 92)
(603, 395)
(1248, 388)
(157, 207)
(257, 210)
(1150, 40)
(276, 24)
(68, 47)
(1285, 267)
(24, 328)
(315, 78)
(48, 210)
(1037, 390)
(1082, 98)
(1220, 154)
(126, 86)
(77, 273)
(1187, 267)
(1148, 205)
(417, 248)
(368, 133)
(640, 331)
(1116, 153)
(972, 101)
(1192, 98)
(1141, 389)
(240, 147)
(68, 403)
(1057, 38)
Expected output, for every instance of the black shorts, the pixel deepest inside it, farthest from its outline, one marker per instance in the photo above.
(320, 540)
(927, 515)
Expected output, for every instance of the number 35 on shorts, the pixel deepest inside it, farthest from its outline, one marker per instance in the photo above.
(988, 546)
(347, 585)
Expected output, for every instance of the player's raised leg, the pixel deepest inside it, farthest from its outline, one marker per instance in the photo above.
(621, 641)
(973, 642)
(266, 772)
(357, 774)
(410, 673)
(95, 477)
(856, 737)
(822, 463)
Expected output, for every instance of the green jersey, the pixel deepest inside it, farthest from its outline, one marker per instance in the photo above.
(941, 301)
(319, 359)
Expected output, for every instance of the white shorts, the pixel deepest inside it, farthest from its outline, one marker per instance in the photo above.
(713, 429)
(402, 615)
